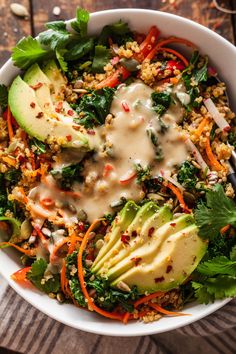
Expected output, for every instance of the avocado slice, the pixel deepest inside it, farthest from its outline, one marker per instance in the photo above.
(147, 251)
(144, 213)
(119, 225)
(58, 81)
(177, 258)
(138, 234)
(38, 123)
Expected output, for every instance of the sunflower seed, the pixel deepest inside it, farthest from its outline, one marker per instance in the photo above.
(56, 11)
(19, 10)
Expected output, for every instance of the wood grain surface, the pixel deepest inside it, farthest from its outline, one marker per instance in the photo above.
(12, 28)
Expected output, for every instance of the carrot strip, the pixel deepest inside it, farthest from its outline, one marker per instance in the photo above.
(115, 79)
(179, 196)
(126, 317)
(162, 43)
(148, 43)
(20, 275)
(201, 127)
(20, 249)
(147, 298)
(172, 51)
(11, 161)
(166, 312)
(91, 305)
(211, 157)
(224, 229)
(72, 235)
(60, 244)
(43, 239)
(9, 124)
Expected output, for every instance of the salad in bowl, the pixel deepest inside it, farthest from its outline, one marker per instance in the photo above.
(116, 171)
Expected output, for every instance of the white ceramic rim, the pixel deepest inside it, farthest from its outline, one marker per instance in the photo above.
(145, 329)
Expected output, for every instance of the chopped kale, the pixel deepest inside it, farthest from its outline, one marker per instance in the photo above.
(143, 173)
(105, 296)
(69, 174)
(3, 97)
(232, 139)
(161, 102)
(154, 140)
(94, 107)
(187, 175)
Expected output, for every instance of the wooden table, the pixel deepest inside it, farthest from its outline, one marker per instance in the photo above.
(12, 28)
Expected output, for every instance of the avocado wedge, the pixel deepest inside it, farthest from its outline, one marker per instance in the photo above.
(177, 258)
(38, 122)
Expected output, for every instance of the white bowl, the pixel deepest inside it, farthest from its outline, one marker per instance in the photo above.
(222, 57)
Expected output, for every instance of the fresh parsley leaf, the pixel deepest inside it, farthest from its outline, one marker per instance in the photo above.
(36, 276)
(67, 175)
(3, 97)
(56, 37)
(38, 146)
(80, 24)
(59, 55)
(79, 48)
(187, 175)
(217, 265)
(218, 211)
(202, 294)
(58, 26)
(161, 102)
(119, 32)
(27, 51)
(102, 56)
(94, 107)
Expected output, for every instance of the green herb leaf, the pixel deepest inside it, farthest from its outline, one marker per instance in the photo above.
(143, 173)
(27, 51)
(233, 254)
(56, 37)
(119, 32)
(67, 175)
(81, 23)
(59, 55)
(218, 211)
(38, 146)
(102, 56)
(187, 175)
(154, 140)
(79, 48)
(36, 276)
(217, 265)
(3, 97)
(161, 102)
(94, 107)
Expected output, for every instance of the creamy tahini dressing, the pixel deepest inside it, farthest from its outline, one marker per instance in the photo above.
(127, 138)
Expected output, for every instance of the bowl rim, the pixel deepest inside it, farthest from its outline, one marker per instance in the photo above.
(7, 66)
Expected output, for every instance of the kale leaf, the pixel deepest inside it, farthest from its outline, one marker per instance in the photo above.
(154, 140)
(3, 97)
(69, 174)
(143, 173)
(187, 175)
(217, 212)
(94, 107)
(36, 276)
(161, 102)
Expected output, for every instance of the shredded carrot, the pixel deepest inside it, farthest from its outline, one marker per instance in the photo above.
(60, 244)
(9, 124)
(166, 312)
(43, 239)
(214, 163)
(172, 51)
(179, 196)
(24, 197)
(11, 161)
(20, 249)
(126, 317)
(72, 236)
(201, 127)
(174, 80)
(115, 79)
(163, 43)
(91, 305)
(148, 43)
(224, 229)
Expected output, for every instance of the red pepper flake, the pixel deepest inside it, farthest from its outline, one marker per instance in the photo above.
(134, 233)
(125, 239)
(70, 112)
(169, 268)
(173, 224)
(150, 231)
(125, 107)
(90, 131)
(37, 86)
(68, 137)
(39, 115)
(136, 260)
(22, 159)
(159, 280)
(59, 107)
(81, 226)
(32, 105)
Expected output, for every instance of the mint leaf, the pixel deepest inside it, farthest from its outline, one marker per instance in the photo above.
(217, 265)
(36, 276)
(81, 23)
(218, 211)
(102, 56)
(3, 97)
(27, 51)
(63, 64)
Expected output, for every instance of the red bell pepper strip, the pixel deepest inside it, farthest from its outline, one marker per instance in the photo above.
(115, 79)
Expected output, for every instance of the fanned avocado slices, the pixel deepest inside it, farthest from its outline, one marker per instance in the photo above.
(154, 252)
(34, 107)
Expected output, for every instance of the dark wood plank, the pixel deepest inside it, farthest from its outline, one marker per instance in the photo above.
(200, 11)
(12, 28)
